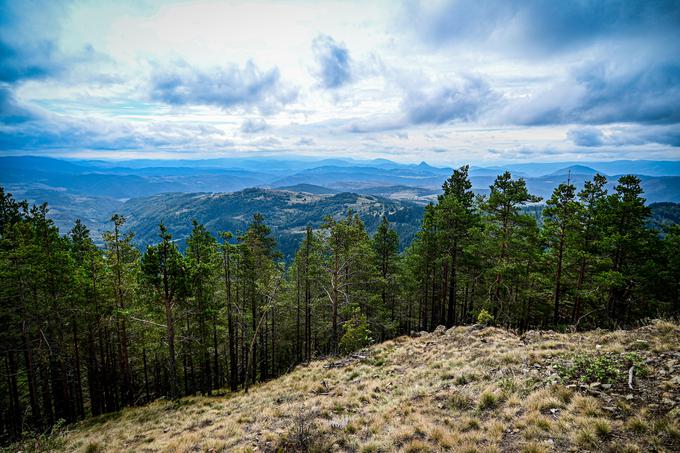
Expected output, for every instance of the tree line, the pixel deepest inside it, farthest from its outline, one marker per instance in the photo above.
(88, 330)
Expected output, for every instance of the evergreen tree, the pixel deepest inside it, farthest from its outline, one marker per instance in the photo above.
(506, 236)
(561, 230)
(456, 216)
(164, 269)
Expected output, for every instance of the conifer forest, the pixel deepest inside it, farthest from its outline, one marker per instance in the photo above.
(87, 330)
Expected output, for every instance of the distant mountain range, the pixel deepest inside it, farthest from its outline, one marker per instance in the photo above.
(212, 191)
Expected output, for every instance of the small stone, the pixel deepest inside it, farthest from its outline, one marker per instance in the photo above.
(606, 386)
(629, 397)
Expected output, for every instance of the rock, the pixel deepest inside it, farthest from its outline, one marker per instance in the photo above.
(606, 386)
(629, 397)
(422, 333)
(439, 330)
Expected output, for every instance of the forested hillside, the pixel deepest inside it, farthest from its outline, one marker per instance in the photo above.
(88, 330)
(288, 213)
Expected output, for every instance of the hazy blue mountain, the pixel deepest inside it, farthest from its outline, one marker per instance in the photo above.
(638, 167)
(576, 170)
(357, 177)
(95, 188)
(308, 188)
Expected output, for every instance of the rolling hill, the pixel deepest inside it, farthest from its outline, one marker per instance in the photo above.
(287, 213)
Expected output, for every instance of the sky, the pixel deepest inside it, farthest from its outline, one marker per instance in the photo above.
(446, 82)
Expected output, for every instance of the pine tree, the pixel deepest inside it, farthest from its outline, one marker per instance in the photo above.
(164, 269)
(561, 230)
(505, 224)
(202, 265)
(625, 217)
(455, 216)
(386, 248)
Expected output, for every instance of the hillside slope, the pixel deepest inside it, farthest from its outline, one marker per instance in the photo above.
(465, 389)
(287, 213)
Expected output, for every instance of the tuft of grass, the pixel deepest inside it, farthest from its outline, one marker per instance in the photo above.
(488, 400)
(585, 438)
(535, 447)
(603, 428)
(585, 405)
(460, 401)
(371, 447)
(94, 447)
(637, 425)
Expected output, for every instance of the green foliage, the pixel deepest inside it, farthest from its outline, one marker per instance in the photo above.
(357, 334)
(605, 368)
(484, 317)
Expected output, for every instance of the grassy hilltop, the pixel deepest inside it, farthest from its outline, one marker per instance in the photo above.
(465, 389)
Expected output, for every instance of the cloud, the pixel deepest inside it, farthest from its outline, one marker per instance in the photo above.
(586, 136)
(625, 136)
(461, 100)
(605, 93)
(538, 28)
(11, 112)
(251, 126)
(333, 60)
(306, 141)
(226, 87)
(29, 32)
(374, 124)
(53, 132)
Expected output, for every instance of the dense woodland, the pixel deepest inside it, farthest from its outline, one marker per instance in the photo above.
(86, 330)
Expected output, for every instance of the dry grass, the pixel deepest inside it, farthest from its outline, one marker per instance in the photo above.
(465, 390)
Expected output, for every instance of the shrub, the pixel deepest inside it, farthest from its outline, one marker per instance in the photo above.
(485, 318)
(606, 369)
(357, 334)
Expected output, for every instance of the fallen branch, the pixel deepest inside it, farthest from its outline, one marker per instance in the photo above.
(631, 374)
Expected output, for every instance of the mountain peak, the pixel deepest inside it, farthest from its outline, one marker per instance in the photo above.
(576, 170)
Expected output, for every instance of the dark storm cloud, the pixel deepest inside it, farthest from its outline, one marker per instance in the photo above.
(539, 27)
(226, 87)
(333, 60)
